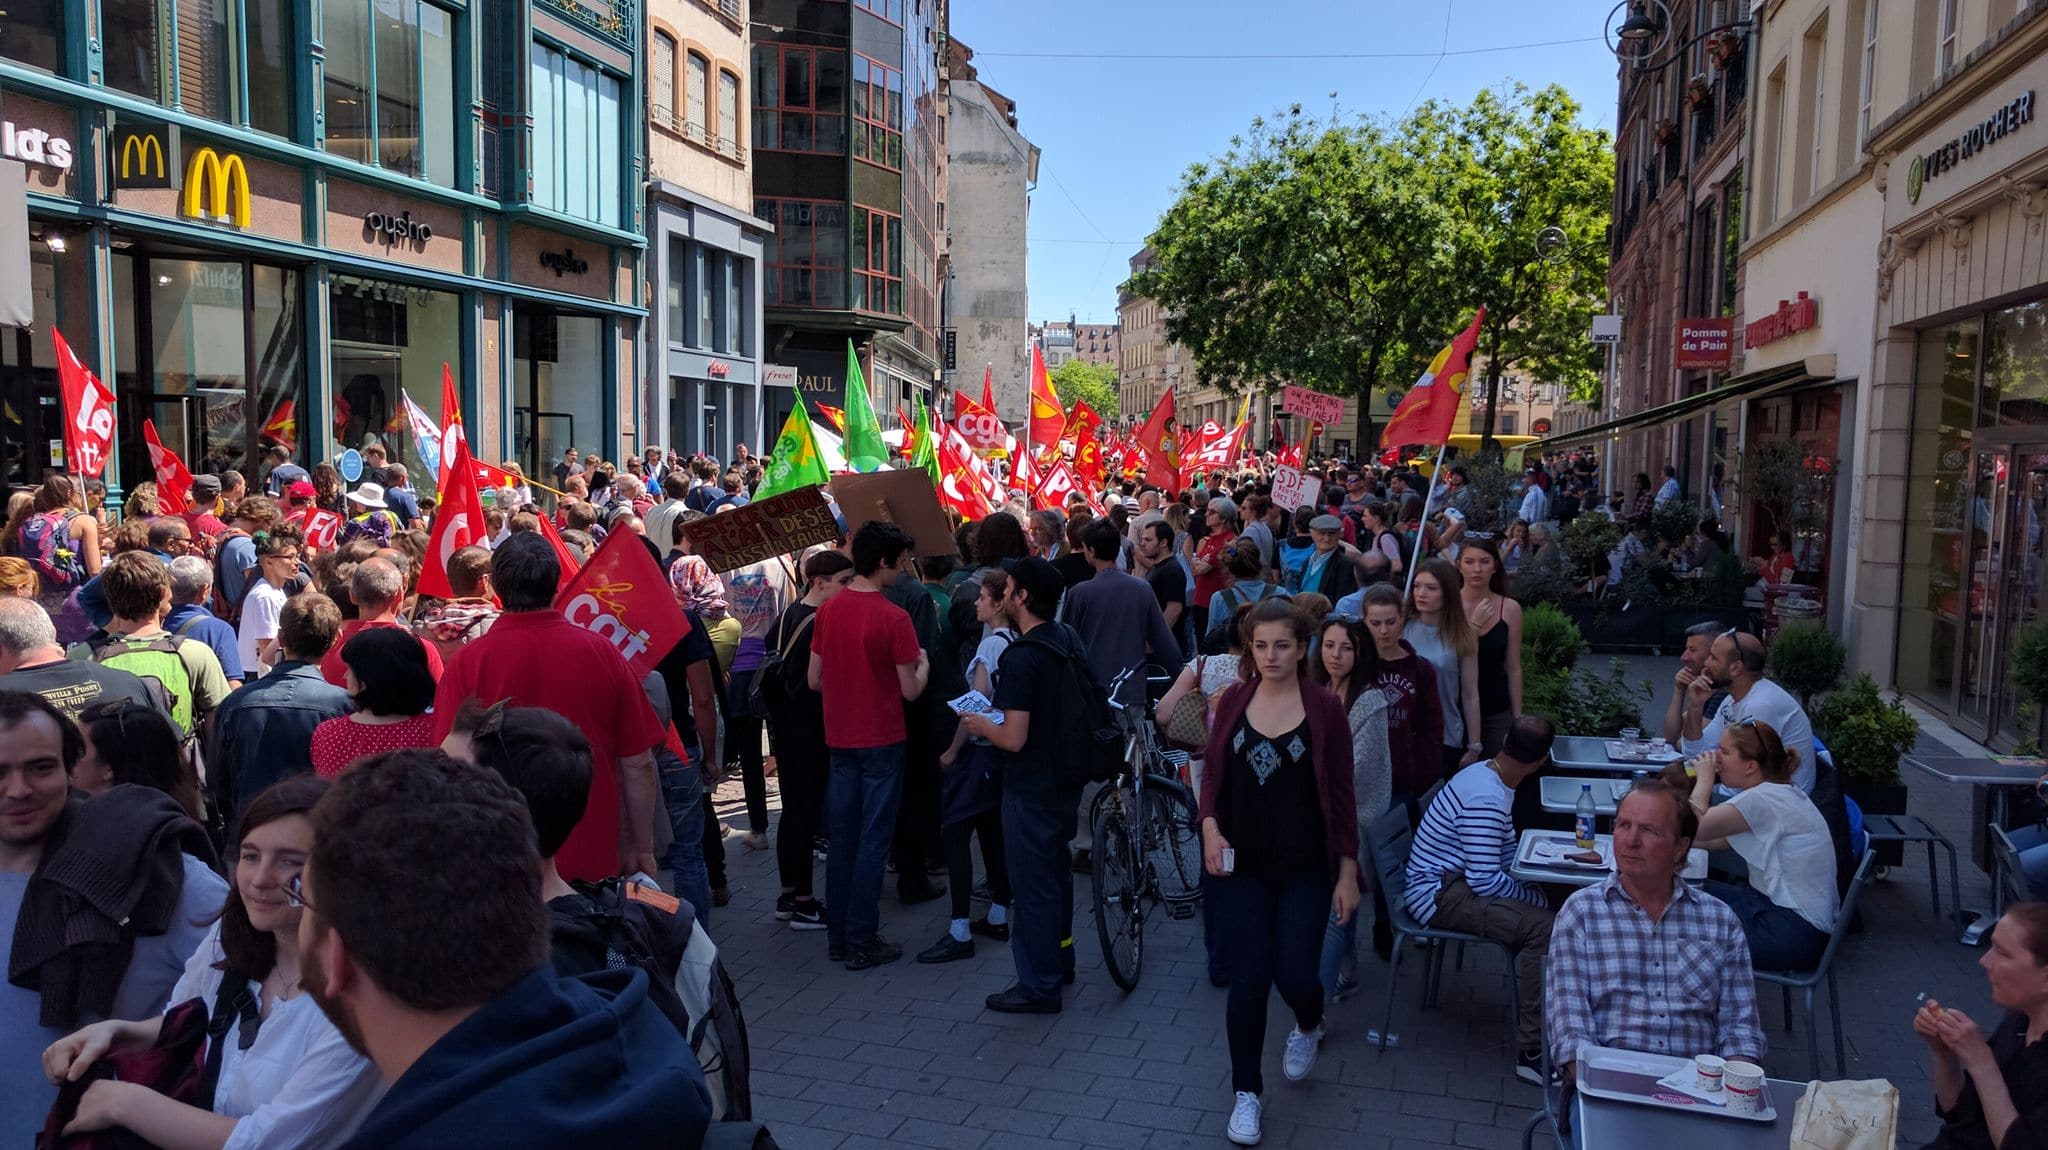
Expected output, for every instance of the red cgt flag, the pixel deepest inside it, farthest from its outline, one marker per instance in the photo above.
(1162, 440)
(622, 597)
(88, 412)
(173, 481)
(458, 522)
(960, 486)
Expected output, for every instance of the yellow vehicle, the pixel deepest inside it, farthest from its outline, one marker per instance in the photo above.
(1468, 445)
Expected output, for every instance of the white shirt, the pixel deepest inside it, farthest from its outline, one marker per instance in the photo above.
(1535, 505)
(260, 610)
(1766, 702)
(299, 1085)
(1790, 855)
(1668, 492)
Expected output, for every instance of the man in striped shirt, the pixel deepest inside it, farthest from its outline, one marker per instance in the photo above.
(1458, 872)
(1646, 962)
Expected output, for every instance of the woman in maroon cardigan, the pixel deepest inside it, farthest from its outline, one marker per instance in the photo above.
(1280, 844)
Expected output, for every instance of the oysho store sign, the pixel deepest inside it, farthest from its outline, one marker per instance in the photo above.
(34, 146)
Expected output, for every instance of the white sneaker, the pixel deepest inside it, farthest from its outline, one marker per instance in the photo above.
(1301, 1053)
(1244, 1119)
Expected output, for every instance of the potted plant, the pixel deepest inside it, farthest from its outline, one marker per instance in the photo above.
(1589, 540)
(1721, 47)
(1866, 734)
(1698, 91)
(1666, 128)
(1807, 661)
(2029, 670)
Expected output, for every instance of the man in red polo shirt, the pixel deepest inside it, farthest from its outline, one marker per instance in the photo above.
(376, 587)
(865, 661)
(534, 657)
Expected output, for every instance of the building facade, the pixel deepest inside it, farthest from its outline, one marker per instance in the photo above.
(1149, 363)
(991, 171)
(258, 241)
(704, 379)
(849, 104)
(1056, 339)
(1098, 343)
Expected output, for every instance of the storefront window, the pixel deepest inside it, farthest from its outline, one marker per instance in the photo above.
(270, 43)
(129, 31)
(576, 137)
(1939, 525)
(33, 34)
(2015, 390)
(200, 71)
(391, 90)
(390, 339)
(31, 420)
(558, 385)
(225, 338)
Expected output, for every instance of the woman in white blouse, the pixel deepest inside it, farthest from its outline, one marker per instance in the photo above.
(292, 1080)
(1789, 907)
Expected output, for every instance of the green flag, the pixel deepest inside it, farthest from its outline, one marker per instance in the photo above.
(927, 454)
(795, 462)
(865, 450)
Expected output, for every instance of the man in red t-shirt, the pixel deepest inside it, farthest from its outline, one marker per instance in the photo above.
(534, 657)
(376, 587)
(865, 661)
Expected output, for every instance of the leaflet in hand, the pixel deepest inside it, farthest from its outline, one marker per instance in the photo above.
(976, 703)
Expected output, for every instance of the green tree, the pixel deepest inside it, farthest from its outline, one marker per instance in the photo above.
(1305, 254)
(1096, 383)
(1528, 194)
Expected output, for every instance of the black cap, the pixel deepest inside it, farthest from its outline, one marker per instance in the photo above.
(1038, 577)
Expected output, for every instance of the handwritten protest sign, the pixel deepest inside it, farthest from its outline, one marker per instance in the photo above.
(1313, 404)
(774, 526)
(1291, 488)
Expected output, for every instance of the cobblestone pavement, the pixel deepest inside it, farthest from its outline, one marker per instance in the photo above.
(905, 1055)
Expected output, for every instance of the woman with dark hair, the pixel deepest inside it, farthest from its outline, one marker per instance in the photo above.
(1789, 906)
(328, 492)
(126, 742)
(997, 536)
(62, 543)
(288, 1077)
(392, 685)
(1347, 662)
(1496, 624)
(1279, 847)
(1993, 1090)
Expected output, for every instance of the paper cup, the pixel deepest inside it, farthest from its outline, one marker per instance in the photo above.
(1744, 1083)
(1709, 1068)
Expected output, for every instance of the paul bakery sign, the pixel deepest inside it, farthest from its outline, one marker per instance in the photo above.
(1791, 318)
(1943, 158)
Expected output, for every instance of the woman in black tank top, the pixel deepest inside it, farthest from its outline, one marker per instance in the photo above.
(1498, 620)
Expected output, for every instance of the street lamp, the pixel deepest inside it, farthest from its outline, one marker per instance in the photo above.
(1644, 30)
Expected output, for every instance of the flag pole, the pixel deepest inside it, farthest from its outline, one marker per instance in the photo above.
(1422, 529)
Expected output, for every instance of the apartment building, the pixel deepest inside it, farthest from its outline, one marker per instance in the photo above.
(1098, 343)
(704, 376)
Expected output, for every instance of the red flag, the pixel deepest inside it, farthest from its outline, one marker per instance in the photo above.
(88, 413)
(836, 415)
(1431, 406)
(458, 522)
(1024, 472)
(978, 425)
(283, 425)
(451, 423)
(1160, 439)
(959, 487)
(320, 527)
(988, 389)
(622, 596)
(1054, 487)
(1216, 450)
(1088, 462)
(173, 481)
(1081, 422)
(1048, 419)
(567, 557)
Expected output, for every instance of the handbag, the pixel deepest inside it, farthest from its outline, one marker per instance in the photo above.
(1187, 725)
(183, 1064)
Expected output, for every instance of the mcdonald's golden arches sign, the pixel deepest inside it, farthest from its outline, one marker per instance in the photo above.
(216, 188)
(146, 156)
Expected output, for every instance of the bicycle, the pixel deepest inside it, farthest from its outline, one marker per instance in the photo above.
(1148, 841)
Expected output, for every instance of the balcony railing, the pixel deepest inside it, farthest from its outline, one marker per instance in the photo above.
(615, 20)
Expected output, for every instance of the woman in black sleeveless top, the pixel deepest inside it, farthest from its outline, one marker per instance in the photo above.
(1498, 621)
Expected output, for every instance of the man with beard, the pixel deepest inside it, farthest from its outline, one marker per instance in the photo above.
(1692, 663)
(1736, 662)
(425, 940)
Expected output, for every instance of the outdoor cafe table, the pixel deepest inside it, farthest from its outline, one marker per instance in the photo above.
(1589, 753)
(1998, 776)
(1605, 1124)
(1565, 875)
(1561, 794)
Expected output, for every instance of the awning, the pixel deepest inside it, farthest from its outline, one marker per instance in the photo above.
(1751, 386)
(17, 299)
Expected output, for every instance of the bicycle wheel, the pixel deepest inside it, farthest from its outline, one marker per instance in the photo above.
(1119, 911)
(1173, 842)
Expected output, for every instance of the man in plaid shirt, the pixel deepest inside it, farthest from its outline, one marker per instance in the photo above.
(1644, 962)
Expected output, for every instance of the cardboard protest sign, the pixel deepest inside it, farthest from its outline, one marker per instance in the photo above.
(1287, 483)
(774, 526)
(905, 498)
(1313, 404)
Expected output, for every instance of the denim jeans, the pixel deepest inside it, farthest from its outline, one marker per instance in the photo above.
(1273, 924)
(860, 818)
(682, 792)
(1778, 938)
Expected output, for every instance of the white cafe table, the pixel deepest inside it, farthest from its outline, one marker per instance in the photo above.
(1605, 1124)
(1589, 753)
(1567, 875)
(1561, 794)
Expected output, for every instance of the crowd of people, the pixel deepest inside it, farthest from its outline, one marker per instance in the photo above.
(408, 870)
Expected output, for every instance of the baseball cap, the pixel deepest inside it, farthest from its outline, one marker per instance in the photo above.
(206, 487)
(301, 490)
(1039, 578)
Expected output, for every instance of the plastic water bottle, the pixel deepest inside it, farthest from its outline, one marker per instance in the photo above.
(1583, 824)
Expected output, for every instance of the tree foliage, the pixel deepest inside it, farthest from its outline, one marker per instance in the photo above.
(1342, 254)
(1096, 383)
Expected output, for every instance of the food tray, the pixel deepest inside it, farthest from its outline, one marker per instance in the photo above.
(1657, 753)
(1550, 851)
(1634, 1077)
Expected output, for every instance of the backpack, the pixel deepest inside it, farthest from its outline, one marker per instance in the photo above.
(619, 924)
(46, 542)
(771, 688)
(1217, 641)
(163, 674)
(1093, 750)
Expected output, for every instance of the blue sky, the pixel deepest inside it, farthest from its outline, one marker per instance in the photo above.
(1116, 129)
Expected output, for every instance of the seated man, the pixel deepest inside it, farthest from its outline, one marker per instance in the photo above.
(1645, 962)
(435, 980)
(1458, 872)
(1736, 662)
